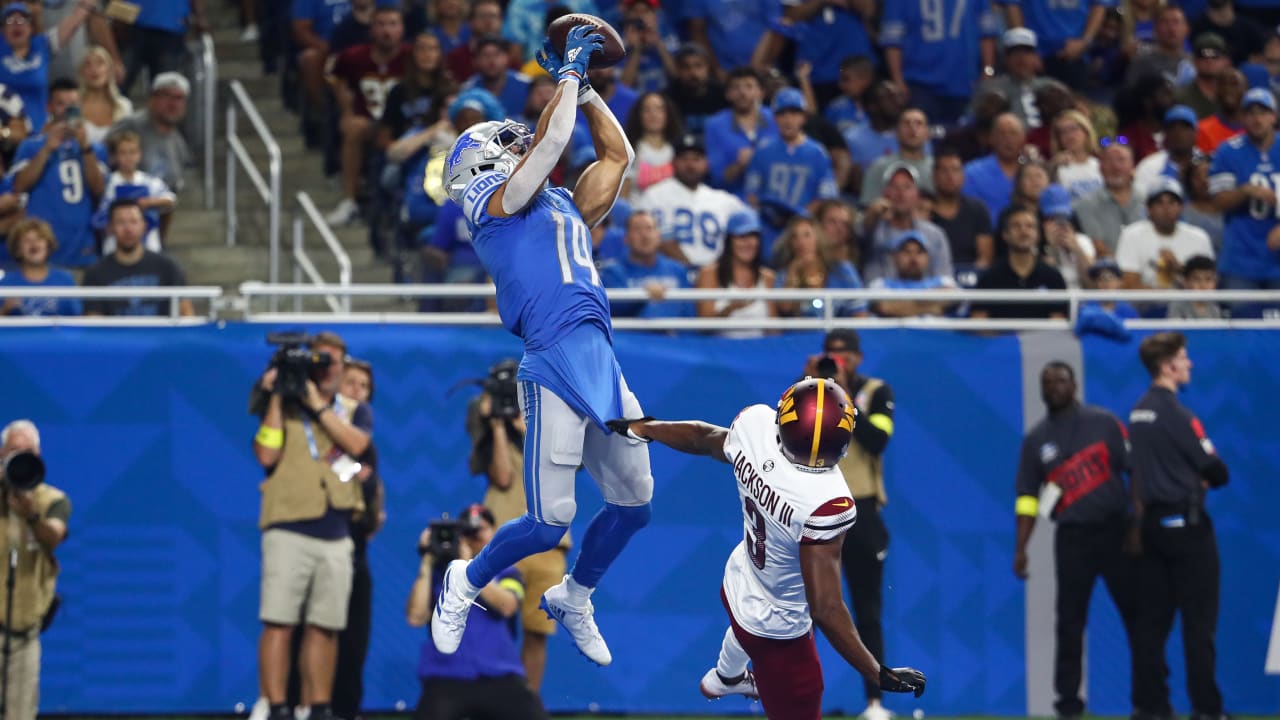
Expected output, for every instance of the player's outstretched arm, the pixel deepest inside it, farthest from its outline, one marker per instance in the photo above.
(555, 128)
(820, 568)
(691, 436)
(600, 183)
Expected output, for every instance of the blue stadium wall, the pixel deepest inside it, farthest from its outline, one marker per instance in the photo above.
(148, 432)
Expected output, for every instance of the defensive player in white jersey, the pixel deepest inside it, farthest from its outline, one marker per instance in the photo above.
(784, 577)
(692, 216)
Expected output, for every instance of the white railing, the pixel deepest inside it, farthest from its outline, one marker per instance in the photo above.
(268, 188)
(211, 293)
(302, 265)
(1073, 298)
(207, 82)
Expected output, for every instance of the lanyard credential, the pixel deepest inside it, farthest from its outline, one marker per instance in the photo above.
(311, 438)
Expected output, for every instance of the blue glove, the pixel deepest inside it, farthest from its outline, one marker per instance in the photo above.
(582, 41)
(548, 59)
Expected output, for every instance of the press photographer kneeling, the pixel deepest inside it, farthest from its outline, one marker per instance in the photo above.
(310, 442)
(485, 677)
(35, 523)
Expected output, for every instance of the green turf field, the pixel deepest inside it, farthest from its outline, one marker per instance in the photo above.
(402, 716)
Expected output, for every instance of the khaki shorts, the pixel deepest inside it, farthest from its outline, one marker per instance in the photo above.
(540, 572)
(305, 577)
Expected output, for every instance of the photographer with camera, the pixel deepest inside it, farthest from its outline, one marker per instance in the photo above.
(867, 544)
(33, 526)
(312, 443)
(484, 677)
(497, 427)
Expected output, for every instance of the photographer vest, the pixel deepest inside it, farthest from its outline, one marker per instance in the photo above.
(864, 472)
(37, 568)
(302, 485)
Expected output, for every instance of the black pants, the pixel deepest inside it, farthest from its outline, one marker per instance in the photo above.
(353, 644)
(502, 698)
(1178, 572)
(865, 547)
(157, 51)
(1081, 554)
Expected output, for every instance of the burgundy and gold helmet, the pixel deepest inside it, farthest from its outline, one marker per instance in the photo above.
(815, 423)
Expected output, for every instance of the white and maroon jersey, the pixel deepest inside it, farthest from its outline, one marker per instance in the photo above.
(696, 219)
(783, 507)
(369, 81)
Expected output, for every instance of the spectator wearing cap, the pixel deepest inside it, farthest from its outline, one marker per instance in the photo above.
(1242, 179)
(824, 35)
(1209, 51)
(1064, 31)
(1199, 273)
(897, 212)
(693, 88)
(805, 261)
(1180, 130)
(913, 149)
(789, 173)
(741, 266)
(990, 178)
(1243, 36)
(878, 136)
(1228, 120)
(644, 267)
(164, 151)
(1167, 55)
(911, 266)
(938, 69)
(733, 134)
(31, 243)
(1151, 252)
(526, 21)
(728, 29)
(1020, 269)
(25, 55)
(963, 219)
(650, 38)
(1021, 74)
(1069, 251)
(1104, 212)
(692, 216)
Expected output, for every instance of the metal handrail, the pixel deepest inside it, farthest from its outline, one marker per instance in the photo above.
(172, 294)
(209, 78)
(268, 189)
(338, 302)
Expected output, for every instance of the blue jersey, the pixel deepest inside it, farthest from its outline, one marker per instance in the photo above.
(1057, 21)
(724, 139)
(985, 180)
(28, 77)
(829, 37)
(167, 15)
(866, 144)
(43, 306)
(625, 273)
(452, 235)
(733, 26)
(939, 41)
(515, 91)
(61, 198)
(790, 177)
(1244, 237)
(549, 294)
(845, 114)
(323, 14)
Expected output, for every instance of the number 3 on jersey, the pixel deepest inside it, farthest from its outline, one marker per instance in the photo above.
(755, 539)
(573, 246)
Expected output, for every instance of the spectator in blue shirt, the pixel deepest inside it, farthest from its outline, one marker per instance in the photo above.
(788, 173)
(31, 243)
(651, 39)
(644, 267)
(450, 26)
(1065, 31)
(827, 33)
(157, 38)
(526, 21)
(990, 178)
(733, 134)
(492, 74)
(935, 50)
(729, 29)
(24, 55)
(313, 25)
(449, 247)
(877, 137)
(845, 110)
(911, 263)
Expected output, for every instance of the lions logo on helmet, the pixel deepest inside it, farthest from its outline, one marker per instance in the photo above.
(815, 424)
(496, 145)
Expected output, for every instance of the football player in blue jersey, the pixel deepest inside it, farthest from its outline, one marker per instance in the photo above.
(535, 241)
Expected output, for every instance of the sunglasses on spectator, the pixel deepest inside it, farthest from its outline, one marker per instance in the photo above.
(16, 20)
(1114, 140)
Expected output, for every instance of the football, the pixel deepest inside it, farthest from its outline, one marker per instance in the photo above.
(611, 54)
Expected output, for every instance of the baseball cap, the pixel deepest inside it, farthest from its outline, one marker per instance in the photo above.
(1165, 186)
(1104, 265)
(1181, 113)
(848, 337)
(1209, 45)
(743, 222)
(909, 236)
(898, 166)
(1055, 201)
(788, 99)
(1259, 96)
(690, 142)
(167, 81)
(16, 7)
(1019, 37)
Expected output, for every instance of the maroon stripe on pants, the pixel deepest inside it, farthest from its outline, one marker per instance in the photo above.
(788, 673)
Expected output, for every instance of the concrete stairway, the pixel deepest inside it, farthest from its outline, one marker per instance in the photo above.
(197, 237)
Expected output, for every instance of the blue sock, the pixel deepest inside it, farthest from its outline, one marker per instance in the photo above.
(513, 542)
(607, 534)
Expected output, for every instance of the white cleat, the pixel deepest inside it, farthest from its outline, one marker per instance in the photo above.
(450, 617)
(876, 711)
(579, 622)
(714, 687)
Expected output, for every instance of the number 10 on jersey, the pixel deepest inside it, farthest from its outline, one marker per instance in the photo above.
(575, 243)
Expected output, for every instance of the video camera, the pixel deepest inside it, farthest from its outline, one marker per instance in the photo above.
(23, 471)
(830, 366)
(296, 363)
(502, 388)
(447, 534)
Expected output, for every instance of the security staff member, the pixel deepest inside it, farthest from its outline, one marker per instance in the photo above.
(1174, 464)
(867, 544)
(1072, 470)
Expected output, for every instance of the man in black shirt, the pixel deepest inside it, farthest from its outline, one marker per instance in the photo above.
(1174, 463)
(1021, 269)
(133, 265)
(692, 88)
(965, 219)
(1071, 470)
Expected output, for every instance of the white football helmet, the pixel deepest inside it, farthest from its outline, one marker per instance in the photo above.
(493, 145)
